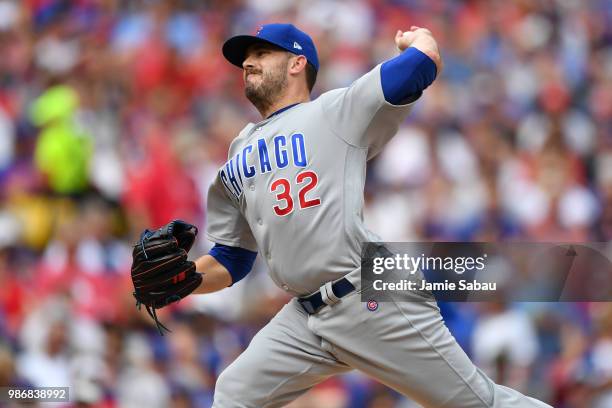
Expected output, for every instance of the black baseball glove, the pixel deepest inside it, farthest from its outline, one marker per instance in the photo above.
(161, 273)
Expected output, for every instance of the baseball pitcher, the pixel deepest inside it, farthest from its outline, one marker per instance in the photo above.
(292, 190)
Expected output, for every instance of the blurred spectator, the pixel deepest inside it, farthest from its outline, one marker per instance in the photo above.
(48, 366)
(63, 152)
(8, 372)
(141, 375)
(569, 372)
(505, 345)
(602, 359)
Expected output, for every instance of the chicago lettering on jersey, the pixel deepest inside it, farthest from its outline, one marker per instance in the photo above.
(260, 158)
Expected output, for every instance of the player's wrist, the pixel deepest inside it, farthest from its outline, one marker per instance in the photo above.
(428, 46)
(201, 289)
(215, 276)
(423, 40)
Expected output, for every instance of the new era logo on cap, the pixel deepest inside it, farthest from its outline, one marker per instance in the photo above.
(297, 46)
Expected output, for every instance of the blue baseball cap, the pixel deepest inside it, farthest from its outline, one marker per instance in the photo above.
(285, 36)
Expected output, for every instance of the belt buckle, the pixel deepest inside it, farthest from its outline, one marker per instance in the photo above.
(327, 294)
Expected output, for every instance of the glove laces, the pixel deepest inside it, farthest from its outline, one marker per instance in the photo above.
(152, 312)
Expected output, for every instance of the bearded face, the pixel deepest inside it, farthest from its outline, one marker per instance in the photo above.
(266, 82)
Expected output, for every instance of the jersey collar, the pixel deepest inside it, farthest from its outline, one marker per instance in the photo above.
(282, 110)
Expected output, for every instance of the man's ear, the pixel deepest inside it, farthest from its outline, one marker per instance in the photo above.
(297, 64)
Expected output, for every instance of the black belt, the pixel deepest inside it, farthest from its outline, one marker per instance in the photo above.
(313, 303)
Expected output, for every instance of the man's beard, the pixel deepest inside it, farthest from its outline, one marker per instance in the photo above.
(271, 87)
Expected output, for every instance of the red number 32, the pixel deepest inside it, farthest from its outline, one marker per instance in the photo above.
(309, 180)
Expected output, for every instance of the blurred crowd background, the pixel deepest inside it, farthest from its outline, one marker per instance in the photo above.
(114, 116)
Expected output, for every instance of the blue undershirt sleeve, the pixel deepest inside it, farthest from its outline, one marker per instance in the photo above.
(238, 261)
(406, 76)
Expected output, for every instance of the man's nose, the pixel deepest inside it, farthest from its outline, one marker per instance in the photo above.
(248, 63)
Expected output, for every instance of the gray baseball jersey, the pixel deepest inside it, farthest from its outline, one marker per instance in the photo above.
(293, 189)
(293, 185)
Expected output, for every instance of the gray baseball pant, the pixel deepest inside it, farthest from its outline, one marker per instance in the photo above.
(404, 344)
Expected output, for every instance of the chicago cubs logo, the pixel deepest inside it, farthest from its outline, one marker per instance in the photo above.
(372, 305)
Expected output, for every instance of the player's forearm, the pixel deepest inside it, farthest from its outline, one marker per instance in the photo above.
(216, 276)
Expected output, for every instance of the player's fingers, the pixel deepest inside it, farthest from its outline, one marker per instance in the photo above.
(408, 36)
(424, 30)
(398, 35)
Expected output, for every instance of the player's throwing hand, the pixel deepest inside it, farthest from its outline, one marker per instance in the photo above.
(421, 39)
